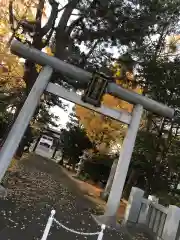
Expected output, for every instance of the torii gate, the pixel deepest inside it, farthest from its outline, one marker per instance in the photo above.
(43, 84)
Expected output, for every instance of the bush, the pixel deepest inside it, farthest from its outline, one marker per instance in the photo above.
(98, 168)
(83, 177)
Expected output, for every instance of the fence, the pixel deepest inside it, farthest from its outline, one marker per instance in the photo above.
(53, 219)
(163, 222)
(155, 218)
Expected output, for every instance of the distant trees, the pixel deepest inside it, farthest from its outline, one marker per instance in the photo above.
(73, 142)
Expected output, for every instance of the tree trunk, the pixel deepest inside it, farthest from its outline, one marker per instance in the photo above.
(55, 150)
(105, 193)
(129, 184)
(62, 37)
(73, 167)
(20, 149)
(62, 159)
(10, 124)
(80, 167)
(35, 146)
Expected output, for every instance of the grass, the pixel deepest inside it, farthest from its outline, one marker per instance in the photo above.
(12, 164)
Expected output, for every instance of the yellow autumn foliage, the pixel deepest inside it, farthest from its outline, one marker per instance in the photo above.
(11, 70)
(48, 50)
(173, 42)
(11, 67)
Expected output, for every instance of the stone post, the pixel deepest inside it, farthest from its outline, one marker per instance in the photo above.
(172, 223)
(144, 211)
(134, 205)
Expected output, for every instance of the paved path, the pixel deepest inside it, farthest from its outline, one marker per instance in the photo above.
(37, 188)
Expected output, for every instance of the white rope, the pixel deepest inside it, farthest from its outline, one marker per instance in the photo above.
(51, 219)
(76, 232)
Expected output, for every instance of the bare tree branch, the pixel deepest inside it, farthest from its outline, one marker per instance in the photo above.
(95, 34)
(48, 37)
(11, 15)
(39, 14)
(84, 59)
(12, 20)
(163, 35)
(51, 21)
(73, 25)
(76, 14)
(63, 7)
(61, 34)
(67, 13)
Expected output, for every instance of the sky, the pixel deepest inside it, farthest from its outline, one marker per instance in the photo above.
(63, 115)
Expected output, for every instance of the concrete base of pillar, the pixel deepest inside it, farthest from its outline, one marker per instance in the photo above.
(3, 192)
(104, 196)
(112, 224)
(108, 221)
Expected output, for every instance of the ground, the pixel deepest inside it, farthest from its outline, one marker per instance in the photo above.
(35, 187)
(92, 191)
